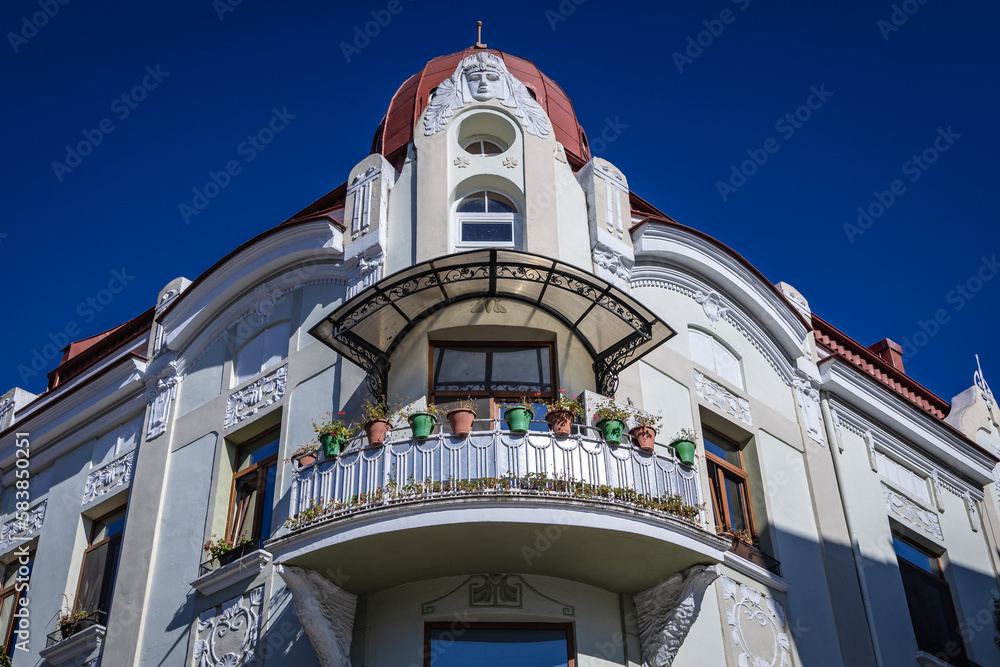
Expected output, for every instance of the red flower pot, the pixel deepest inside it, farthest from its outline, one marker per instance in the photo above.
(376, 430)
(460, 420)
(560, 421)
(643, 436)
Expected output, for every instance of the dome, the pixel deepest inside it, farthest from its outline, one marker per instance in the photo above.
(396, 129)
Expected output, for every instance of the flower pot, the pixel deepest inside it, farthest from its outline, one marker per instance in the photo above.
(560, 421)
(685, 451)
(612, 430)
(643, 436)
(331, 444)
(236, 553)
(304, 460)
(460, 420)
(376, 430)
(421, 423)
(518, 419)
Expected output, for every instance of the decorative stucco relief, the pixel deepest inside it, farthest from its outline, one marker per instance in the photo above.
(758, 624)
(807, 395)
(227, 635)
(711, 303)
(482, 77)
(365, 270)
(722, 398)
(160, 389)
(104, 480)
(6, 412)
(911, 513)
(360, 192)
(250, 400)
(667, 611)
(325, 611)
(20, 528)
(614, 266)
(263, 300)
(503, 591)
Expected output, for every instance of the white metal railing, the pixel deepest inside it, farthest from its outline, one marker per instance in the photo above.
(488, 462)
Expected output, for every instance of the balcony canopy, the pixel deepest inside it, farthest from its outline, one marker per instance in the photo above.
(614, 328)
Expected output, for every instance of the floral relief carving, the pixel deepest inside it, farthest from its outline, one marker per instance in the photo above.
(911, 513)
(711, 303)
(252, 399)
(722, 398)
(107, 478)
(20, 528)
(228, 634)
(758, 624)
(263, 300)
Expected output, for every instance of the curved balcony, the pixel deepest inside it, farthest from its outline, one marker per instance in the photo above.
(615, 516)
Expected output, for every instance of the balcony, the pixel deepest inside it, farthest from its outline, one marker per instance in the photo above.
(496, 501)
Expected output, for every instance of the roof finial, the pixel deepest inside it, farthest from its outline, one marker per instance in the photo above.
(479, 39)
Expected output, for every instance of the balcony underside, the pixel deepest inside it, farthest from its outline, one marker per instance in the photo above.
(594, 542)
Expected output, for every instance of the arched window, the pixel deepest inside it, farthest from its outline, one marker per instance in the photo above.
(487, 218)
(261, 352)
(716, 357)
(484, 146)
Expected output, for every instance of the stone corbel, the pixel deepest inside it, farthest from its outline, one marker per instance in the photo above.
(807, 395)
(936, 490)
(325, 611)
(668, 610)
(160, 390)
(973, 511)
(869, 439)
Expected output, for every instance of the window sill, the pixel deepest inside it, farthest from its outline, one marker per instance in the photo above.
(81, 644)
(227, 575)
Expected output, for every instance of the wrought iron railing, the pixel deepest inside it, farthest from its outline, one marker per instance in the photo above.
(492, 462)
(67, 630)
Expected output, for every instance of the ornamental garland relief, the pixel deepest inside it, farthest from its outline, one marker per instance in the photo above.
(910, 513)
(722, 398)
(758, 626)
(20, 528)
(107, 478)
(253, 398)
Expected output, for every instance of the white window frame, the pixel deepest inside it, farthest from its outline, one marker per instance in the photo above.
(484, 137)
(513, 218)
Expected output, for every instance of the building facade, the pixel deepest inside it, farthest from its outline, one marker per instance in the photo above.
(834, 512)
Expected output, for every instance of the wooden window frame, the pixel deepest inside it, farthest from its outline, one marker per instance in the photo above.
(93, 547)
(260, 469)
(493, 396)
(18, 597)
(718, 484)
(434, 625)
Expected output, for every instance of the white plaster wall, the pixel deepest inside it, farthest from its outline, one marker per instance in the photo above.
(203, 382)
(316, 302)
(665, 396)
(574, 235)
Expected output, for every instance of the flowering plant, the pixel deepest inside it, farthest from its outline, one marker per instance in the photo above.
(413, 409)
(522, 402)
(375, 410)
(643, 418)
(69, 617)
(217, 547)
(308, 448)
(567, 401)
(608, 410)
(686, 434)
(466, 404)
(334, 426)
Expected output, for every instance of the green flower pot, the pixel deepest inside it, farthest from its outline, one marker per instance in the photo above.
(518, 419)
(331, 445)
(612, 429)
(421, 423)
(685, 451)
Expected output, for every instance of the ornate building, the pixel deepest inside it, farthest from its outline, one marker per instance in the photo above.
(833, 511)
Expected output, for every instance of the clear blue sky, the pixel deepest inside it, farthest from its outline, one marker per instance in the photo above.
(683, 124)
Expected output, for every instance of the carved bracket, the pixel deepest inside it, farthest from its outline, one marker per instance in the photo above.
(325, 611)
(668, 610)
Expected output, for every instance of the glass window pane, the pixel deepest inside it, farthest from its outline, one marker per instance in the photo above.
(490, 148)
(521, 369)
(244, 506)
(462, 369)
(266, 508)
(722, 448)
(499, 204)
(932, 614)
(487, 232)
(248, 359)
(256, 452)
(107, 527)
(6, 611)
(496, 647)
(10, 574)
(915, 556)
(701, 349)
(92, 581)
(737, 507)
(474, 203)
(275, 344)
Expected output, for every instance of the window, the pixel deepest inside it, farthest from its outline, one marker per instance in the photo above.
(252, 498)
(730, 490)
(484, 146)
(902, 476)
(119, 440)
(932, 611)
(486, 218)
(714, 356)
(261, 352)
(498, 644)
(493, 374)
(14, 586)
(100, 564)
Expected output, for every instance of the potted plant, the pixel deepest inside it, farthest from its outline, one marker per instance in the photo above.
(610, 419)
(564, 411)
(375, 420)
(461, 417)
(421, 420)
(332, 433)
(683, 442)
(226, 551)
(518, 415)
(72, 620)
(644, 431)
(304, 456)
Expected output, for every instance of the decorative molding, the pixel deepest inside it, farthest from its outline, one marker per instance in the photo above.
(104, 480)
(325, 611)
(714, 393)
(614, 266)
(807, 394)
(758, 624)
(253, 398)
(489, 304)
(980, 381)
(365, 270)
(461, 162)
(161, 387)
(361, 191)
(22, 526)
(756, 572)
(263, 299)
(911, 513)
(502, 591)
(560, 153)
(667, 611)
(227, 575)
(6, 413)
(972, 511)
(510, 162)
(711, 303)
(480, 77)
(238, 615)
(82, 643)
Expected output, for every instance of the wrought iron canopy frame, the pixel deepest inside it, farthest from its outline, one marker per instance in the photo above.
(615, 329)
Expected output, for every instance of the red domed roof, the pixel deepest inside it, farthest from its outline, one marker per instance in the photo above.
(396, 129)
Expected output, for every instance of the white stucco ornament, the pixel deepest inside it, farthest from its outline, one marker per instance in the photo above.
(758, 624)
(325, 611)
(482, 77)
(668, 610)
